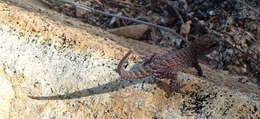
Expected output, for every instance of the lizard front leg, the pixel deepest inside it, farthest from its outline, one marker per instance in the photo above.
(198, 68)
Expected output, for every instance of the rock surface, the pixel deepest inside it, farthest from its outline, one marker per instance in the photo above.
(69, 68)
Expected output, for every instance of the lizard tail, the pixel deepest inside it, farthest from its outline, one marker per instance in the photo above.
(130, 75)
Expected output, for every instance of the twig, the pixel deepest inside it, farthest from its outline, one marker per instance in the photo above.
(178, 14)
(248, 6)
(181, 19)
(175, 10)
(89, 9)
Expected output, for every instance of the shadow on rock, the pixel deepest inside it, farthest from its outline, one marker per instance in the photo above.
(108, 87)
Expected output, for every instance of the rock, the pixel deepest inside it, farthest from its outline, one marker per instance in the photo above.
(80, 12)
(6, 95)
(50, 70)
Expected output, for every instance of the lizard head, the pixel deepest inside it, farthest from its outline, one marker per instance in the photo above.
(205, 44)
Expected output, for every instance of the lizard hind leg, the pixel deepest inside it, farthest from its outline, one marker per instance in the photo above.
(174, 86)
(198, 68)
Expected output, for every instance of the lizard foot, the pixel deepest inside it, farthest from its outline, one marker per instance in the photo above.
(174, 88)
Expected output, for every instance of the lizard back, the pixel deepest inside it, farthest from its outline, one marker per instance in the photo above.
(168, 64)
(158, 64)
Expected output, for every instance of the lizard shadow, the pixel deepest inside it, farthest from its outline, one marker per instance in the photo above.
(105, 88)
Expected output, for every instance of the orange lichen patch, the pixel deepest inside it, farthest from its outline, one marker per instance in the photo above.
(17, 80)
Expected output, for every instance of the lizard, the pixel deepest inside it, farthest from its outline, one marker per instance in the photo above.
(167, 65)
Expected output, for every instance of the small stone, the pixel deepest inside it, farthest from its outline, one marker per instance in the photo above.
(212, 13)
(80, 12)
(243, 70)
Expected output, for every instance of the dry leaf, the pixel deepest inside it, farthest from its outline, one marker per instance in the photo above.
(132, 31)
(80, 12)
(185, 28)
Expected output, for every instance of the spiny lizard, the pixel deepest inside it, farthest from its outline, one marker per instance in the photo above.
(167, 65)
